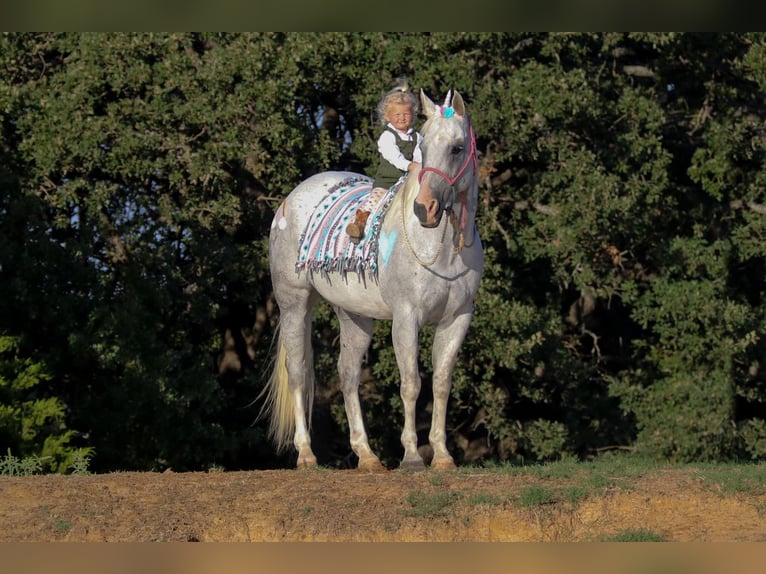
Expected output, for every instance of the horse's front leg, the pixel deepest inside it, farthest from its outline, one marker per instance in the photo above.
(355, 337)
(404, 333)
(448, 338)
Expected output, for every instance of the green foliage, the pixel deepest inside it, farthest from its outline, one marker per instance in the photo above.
(685, 406)
(622, 216)
(753, 432)
(31, 423)
(80, 462)
(11, 465)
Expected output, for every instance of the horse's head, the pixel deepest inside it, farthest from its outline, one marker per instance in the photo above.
(448, 172)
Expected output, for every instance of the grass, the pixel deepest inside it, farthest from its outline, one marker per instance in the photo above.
(733, 478)
(590, 478)
(430, 505)
(618, 471)
(533, 496)
(537, 496)
(436, 479)
(640, 535)
(306, 510)
(603, 469)
(575, 494)
(61, 525)
(484, 499)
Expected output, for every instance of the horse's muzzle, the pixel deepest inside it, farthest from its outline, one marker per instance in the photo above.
(429, 215)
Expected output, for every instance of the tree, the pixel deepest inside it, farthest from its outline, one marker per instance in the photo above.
(622, 217)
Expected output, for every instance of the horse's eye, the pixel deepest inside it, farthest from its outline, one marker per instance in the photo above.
(456, 149)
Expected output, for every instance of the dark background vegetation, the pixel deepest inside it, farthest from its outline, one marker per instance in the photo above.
(622, 213)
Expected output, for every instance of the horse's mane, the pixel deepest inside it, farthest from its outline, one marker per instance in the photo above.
(405, 195)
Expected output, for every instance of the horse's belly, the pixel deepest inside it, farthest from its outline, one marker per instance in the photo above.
(356, 294)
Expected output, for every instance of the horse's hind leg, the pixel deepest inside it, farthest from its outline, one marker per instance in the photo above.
(355, 337)
(295, 335)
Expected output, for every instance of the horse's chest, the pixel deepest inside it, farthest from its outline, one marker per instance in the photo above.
(433, 294)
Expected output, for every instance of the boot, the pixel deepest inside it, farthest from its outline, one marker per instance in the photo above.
(355, 229)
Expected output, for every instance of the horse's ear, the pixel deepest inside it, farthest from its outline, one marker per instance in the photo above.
(458, 104)
(429, 108)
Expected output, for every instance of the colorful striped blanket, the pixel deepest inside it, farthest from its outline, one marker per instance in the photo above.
(326, 247)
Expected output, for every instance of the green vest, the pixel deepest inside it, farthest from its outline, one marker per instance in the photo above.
(388, 174)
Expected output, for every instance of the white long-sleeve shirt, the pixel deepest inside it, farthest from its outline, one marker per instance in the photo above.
(390, 151)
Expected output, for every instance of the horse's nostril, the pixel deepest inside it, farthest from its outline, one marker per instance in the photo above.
(420, 211)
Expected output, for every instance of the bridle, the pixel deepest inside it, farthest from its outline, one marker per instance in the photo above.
(470, 159)
(459, 229)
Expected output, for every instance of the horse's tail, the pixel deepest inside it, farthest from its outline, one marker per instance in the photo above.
(279, 403)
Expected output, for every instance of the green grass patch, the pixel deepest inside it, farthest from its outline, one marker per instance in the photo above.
(571, 482)
(607, 467)
(61, 525)
(734, 478)
(532, 496)
(575, 494)
(568, 468)
(536, 496)
(306, 510)
(429, 505)
(640, 535)
(436, 479)
(484, 498)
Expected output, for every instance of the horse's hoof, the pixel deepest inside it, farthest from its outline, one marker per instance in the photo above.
(443, 464)
(415, 464)
(371, 465)
(306, 462)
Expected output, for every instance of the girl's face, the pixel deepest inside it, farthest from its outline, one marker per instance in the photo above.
(400, 116)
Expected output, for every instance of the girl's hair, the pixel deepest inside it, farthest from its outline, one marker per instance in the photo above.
(400, 94)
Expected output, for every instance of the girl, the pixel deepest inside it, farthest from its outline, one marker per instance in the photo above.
(399, 148)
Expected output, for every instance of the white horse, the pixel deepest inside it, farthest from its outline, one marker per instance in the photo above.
(414, 281)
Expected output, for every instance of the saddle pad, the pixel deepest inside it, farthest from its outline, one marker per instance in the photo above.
(325, 246)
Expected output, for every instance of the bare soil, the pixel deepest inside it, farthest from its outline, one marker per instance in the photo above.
(346, 506)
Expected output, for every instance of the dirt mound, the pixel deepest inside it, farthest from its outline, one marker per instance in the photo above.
(334, 505)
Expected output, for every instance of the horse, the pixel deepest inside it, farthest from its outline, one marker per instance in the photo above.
(412, 282)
